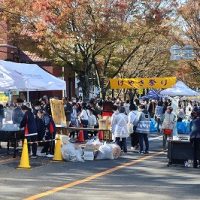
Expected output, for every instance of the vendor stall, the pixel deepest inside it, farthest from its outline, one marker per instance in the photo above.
(180, 151)
(179, 148)
(179, 89)
(31, 76)
(24, 77)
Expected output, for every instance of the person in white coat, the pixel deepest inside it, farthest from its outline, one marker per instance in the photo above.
(133, 119)
(114, 115)
(121, 130)
(168, 124)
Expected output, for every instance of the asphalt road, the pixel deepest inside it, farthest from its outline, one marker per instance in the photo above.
(138, 177)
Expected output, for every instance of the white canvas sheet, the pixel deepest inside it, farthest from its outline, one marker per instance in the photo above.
(180, 89)
(27, 77)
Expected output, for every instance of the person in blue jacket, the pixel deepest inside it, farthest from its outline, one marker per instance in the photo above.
(195, 136)
(30, 129)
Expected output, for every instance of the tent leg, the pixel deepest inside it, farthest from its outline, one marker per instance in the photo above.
(64, 93)
(28, 97)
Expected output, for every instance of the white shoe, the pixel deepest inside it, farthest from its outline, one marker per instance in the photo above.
(33, 157)
(41, 154)
(50, 156)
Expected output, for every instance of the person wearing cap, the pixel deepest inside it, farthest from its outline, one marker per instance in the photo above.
(168, 125)
(121, 130)
(195, 136)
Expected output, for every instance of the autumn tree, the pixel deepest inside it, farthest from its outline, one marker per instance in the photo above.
(93, 38)
(189, 28)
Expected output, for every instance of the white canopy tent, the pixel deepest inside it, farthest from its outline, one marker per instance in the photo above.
(179, 89)
(27, 77)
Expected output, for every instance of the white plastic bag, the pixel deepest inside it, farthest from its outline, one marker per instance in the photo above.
(116, 150)
(105, 152)
(71, 153)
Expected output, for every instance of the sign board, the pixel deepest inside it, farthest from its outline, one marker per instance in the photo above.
(58, 113)
(142, 83)
(3, 98)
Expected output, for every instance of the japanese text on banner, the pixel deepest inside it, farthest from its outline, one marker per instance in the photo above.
(142, 83)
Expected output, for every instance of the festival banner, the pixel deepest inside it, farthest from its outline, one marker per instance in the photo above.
(58, 113)
(142, 83)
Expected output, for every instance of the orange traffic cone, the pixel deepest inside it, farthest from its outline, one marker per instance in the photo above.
(57, 151)
(81, 136)
(100, 135)
(24, 162)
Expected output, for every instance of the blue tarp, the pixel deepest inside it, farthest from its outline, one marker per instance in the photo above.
(152, 94)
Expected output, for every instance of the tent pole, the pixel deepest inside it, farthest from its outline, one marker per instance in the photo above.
(28, 98)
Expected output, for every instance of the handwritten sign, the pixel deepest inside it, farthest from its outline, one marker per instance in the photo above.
(58, 113)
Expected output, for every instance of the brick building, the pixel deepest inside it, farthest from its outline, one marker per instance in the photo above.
(12, 53)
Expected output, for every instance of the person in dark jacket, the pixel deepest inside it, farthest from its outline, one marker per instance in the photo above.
(50, 132)
(30, 129)
(17, 114)
(195, 136)
(40, 124)
(2, 114)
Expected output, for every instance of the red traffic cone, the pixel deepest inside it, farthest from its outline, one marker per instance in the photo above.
(81, 136)
(100, 135)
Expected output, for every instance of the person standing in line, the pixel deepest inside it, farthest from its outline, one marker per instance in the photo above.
(68, 110)
(84, 119)
(30, 129)
(126, 106)
(159, 114)
(143, 116)
(121, 131)
(50, 133)
(2, 115)
(195, 136)
(151, 108)
(133, 119)
(169, 122)
(114, 115)
(17, 114)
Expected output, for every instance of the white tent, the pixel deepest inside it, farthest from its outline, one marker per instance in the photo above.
(179, 89)
(27, 77)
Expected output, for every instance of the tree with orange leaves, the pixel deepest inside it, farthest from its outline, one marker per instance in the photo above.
(96, 39)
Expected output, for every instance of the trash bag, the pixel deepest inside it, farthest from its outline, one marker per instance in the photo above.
(72, 153)
(105, 152)
(93, 144)
(108, 151)
(116, 150)
(153, 126)
(181, 127)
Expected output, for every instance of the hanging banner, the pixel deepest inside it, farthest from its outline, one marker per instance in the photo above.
(142, 83)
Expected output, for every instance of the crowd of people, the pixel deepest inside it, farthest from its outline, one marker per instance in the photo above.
(127, 118)
(133, 118)
(36, 121)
